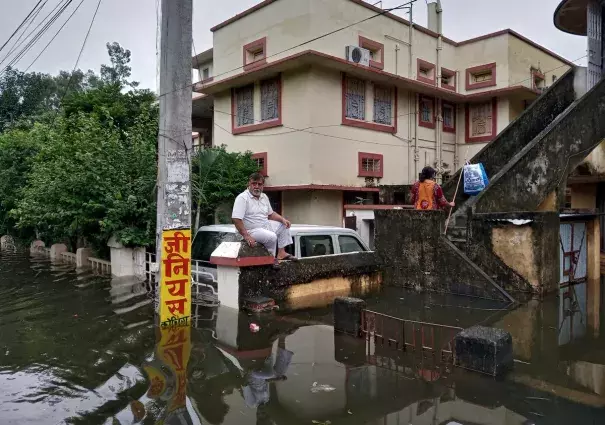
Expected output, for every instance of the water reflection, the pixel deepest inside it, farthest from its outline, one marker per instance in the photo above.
(81, 349)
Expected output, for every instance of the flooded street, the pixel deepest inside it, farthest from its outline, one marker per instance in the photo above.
(81, 349)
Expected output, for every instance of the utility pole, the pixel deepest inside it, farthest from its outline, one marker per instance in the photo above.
(174, 146)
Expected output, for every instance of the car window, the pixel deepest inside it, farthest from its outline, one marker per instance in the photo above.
(205, 243)
(316, 245)
(349, 244)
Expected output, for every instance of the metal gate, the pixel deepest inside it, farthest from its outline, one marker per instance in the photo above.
(572, 281)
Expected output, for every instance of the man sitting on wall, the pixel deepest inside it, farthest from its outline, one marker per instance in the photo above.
(256, 221)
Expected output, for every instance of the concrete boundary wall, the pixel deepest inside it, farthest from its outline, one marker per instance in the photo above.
(416, 254)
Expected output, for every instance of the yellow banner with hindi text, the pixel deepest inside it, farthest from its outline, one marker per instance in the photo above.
(175, 279)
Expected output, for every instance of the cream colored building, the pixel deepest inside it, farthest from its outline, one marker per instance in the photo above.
(328, 131)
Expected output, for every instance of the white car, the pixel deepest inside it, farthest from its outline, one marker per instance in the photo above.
(309, 241)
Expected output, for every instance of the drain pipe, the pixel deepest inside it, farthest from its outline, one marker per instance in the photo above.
(413, 97)
(438, 12)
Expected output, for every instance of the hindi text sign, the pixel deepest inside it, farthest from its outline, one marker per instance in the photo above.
(175, 284)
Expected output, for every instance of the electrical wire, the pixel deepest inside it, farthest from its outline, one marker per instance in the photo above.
(20, 25)
(61, 9)
(55, 36)
(29, 24)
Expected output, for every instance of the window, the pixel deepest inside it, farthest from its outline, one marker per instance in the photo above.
(448, 79)
(261, 162)
(426, 72)
(349, 244)
(267, 95)
(244, 101)
(481, 76)
(373, 108)
(316, 245)
(255, 54)
(481, 121)
(448, 111)
(355, 98)
(567, 204)
(426, 109)
(205, 74)
(370, 165)
(383, 105)
(205, 243)
(376, 51)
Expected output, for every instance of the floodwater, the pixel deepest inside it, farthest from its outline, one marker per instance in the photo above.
(81, 349)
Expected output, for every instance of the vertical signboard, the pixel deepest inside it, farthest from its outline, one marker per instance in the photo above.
(175, 279)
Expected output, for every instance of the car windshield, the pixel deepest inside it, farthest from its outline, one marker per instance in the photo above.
(205, 243)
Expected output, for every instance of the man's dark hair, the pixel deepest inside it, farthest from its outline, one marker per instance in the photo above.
(254, 177)
(427, 173)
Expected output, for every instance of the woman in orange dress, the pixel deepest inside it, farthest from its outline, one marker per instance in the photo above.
(427, 194)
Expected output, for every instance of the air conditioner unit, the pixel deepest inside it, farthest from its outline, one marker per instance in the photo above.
(358, 55)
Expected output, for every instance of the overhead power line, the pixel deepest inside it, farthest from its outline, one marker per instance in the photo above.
(21, 25)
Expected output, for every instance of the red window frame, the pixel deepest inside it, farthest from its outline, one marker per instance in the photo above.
(366, 43)
(427, 65)
(251, 47)
(484, 139)
(447, 129)
(365, 124)
(263, 156)
(366, 155)
(477, 69)
(448, 73)
(422, 123)
(263, 124)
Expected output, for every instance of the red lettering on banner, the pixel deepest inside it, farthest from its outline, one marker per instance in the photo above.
(181, 265)
(175, 306)
(178, 243)
(172, 287)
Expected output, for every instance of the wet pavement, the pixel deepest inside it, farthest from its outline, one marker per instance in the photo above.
(82, 349)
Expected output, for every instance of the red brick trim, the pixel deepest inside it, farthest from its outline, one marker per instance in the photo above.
(261, 125)
(263, 156)
(424, 123)
(365, 155)
(260, 43)
(366, 124)
(453, 106)
(242, 262)
(487, 67)
(322, 187)
(535, 73)
(207, 80)
(424, 64)
(494, 125)
(366, 43)
(448, 73)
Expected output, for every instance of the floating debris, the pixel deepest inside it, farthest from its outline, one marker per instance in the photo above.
(323, 388)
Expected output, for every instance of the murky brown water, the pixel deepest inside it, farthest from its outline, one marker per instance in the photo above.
(77, 349)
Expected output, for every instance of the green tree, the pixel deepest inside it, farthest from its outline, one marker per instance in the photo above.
(17, 152)
(119, 71)
(217, 177)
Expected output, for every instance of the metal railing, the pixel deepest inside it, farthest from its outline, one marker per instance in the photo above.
(409, 335)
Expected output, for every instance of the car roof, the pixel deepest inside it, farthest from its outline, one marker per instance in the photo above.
(295, 229)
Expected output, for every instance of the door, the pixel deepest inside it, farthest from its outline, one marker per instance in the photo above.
(351, 223)
(572, 281)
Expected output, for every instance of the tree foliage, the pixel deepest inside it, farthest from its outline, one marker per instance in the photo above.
(217, 177)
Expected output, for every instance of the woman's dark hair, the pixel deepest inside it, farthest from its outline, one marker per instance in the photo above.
(427, 173)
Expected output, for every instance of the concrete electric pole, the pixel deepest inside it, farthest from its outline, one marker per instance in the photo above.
(174, 139)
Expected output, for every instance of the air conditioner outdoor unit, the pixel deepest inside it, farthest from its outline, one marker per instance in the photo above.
(358, 55)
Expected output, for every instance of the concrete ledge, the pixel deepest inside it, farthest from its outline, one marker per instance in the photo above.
(347, 315)
(239, 254)
(37, 246)
(313, 280)
(485, 350)
(82, 256)
(7, 242)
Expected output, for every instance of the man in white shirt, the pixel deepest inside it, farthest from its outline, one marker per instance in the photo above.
(256, 221)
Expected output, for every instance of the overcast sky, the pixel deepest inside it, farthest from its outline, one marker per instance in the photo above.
(132, 23)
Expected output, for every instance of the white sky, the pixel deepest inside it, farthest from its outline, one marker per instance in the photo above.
(132, 23)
